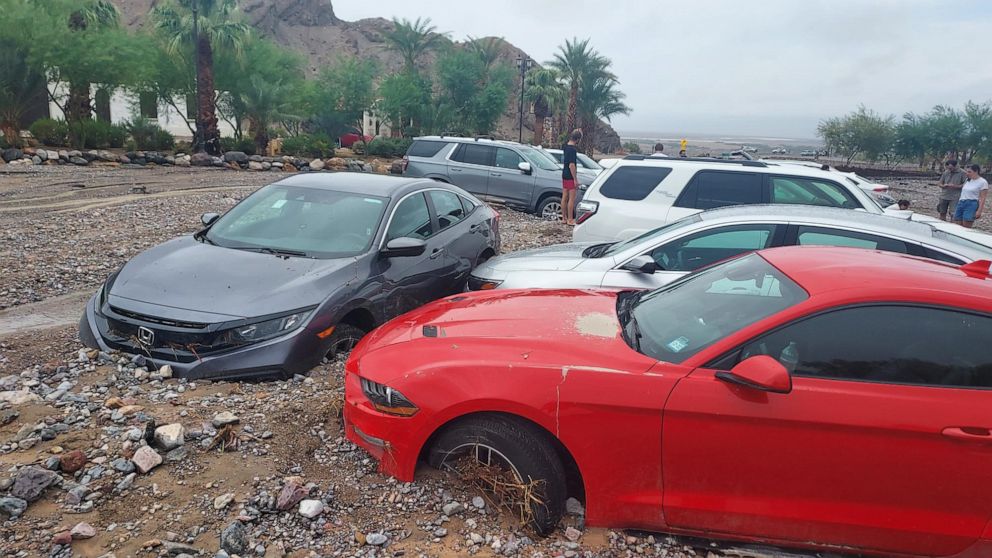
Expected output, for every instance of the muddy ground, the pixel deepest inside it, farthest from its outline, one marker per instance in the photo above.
(62, 230)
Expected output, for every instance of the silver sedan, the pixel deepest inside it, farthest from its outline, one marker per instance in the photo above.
(664, 254)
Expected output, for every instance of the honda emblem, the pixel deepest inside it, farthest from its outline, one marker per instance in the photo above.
(146, 336)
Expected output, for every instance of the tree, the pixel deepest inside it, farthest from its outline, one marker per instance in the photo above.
(978, 118)
(547, 95)
(599, 99)
(476, 95)
(488, 49)
(862, 132)
(21, 77)
(578, 63)
(947, 130)
(342, 94)
(220, 28)
(412, 39)
(911, 138)
(404, 99)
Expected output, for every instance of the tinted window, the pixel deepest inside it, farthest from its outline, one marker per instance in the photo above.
(940, 256)
(507, 158)
(891, 344)
(818, 236)
(804, 191)
(449, 209)
(421, 148)
(468, 205)
(709, 189)
(705, 248)
(474, 154)
(633, 183)
(411, 219)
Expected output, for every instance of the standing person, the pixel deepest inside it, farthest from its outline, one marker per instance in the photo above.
(569, 174)
(659, 150)
(972, 202)
(950, 189)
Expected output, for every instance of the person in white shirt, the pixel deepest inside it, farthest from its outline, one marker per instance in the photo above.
(972, 202)
(659, 150)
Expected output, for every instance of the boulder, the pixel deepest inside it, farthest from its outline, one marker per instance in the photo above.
(200, 160)
(12, 506)
(62, 537)
(316, 164)
(78, 161)
(256, 158)
(224, 417)
(83, 531)
(311, 508)
(255, 166)
(238, 157)
(170, 436)
(234, 539)
(11, 154)
(19, 397)
(146, 459)
(72, 461)
(31, 482)
(290, 495)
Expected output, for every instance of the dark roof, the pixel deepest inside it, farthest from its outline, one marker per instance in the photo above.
(353, 182)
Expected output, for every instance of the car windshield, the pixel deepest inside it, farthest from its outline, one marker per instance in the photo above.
(588, 163)
(295, 221)
(539, 158)
(620, 247)
(679, 320)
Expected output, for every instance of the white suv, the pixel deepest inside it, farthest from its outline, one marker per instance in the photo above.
(641, 193)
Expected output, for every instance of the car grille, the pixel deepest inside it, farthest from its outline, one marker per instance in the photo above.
(154, 320)
(173, 340)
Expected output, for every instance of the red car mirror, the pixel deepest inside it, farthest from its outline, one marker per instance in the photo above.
(760, 372)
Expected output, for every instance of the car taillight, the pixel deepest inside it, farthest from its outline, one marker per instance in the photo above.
(585, 210)
(881, 188)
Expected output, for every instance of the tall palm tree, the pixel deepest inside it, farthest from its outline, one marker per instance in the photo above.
(411, 39)
(265, 102)
(600, 99)
(488, 49)
(87, 15)
(578, 62)
(547, 95)
(220, 27)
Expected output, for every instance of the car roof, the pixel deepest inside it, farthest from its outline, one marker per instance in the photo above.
(355, 182)
(740, 165)
(823, 269)
(462, 139)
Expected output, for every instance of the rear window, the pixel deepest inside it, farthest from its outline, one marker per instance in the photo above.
(474, 154)
(633, 183)
(421, 148)
(711, 189)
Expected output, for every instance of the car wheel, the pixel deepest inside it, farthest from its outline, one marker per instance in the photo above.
(513, 461)
(550, 208)
(344, 338)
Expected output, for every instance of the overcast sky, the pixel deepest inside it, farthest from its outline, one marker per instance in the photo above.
(767, 67)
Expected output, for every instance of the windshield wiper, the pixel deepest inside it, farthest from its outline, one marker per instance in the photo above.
(597, 251)
(273, 251)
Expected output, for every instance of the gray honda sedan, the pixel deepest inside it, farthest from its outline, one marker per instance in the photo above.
(300, 269)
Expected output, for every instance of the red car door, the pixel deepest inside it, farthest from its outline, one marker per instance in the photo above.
(883, 443)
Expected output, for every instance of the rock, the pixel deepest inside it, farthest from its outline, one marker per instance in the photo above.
(83, 531)
(223, 500)
(12, 506)
(183, 161)
(316, 164)
(170, 436)
(574, 507)
(177, 454)
(135, 434)
(311, 508)
(235, 157)
(376, 539)
(75, 496)
(200, 160)
(19, 397)
(573, 534)
(440, 532)
(255, 166)
(165, 371)
(146, 459)
(224, 417)
(52, 463)
(36, 160)
(336, 163)
(234, 539)
(62, 537)
(290, 494)
(72, 461)
(11, 154)
(479, 502)
(255, 158)
(78, 161)
(126, 482)
(451, 508)
(23, 432)
(122, 465)
(289, 167)
(267, 165)
(31, 482)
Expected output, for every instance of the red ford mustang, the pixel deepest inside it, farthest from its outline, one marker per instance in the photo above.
(813, 397)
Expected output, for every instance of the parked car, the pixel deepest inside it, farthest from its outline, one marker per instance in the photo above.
(807, 153)
(585, 162)
(879, 191)
(640, 193)
(660, 256)
(818, 397)
(511, 173)
(300, 269)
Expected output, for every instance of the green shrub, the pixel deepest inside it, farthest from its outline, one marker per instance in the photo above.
(187, 147)
(116, 135)
(308, 145)
(631, 147)
(245, 145)
(54, 133)
(389, 147)
(164, 140)
(149, 136)
(95, 134)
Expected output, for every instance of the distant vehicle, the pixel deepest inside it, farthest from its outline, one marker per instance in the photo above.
(780, 151)
(350, 139)
(518, 175)
(585, 162)
(807, 153)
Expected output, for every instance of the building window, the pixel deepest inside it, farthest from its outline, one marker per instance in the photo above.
(191, 107)
(148, 105)
(102, 101)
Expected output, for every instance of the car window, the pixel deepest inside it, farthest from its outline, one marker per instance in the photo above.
(558, 156)
(423, 148)
(821, 236)
(941, 256)
(805, 191)
(474, 154)
(507, 158)
(539, 158)
(588, 162)
(449, 209)
(710, 189)
(411, 218)
(707, 247)
(633, 183)
(886, 343)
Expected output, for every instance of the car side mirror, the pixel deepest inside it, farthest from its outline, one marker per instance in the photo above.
(760, 372)
(524, 167)
(403, 247)
(642, 264)
(208, 218)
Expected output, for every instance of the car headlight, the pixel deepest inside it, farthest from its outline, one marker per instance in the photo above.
(105, 290)
(480, 284)
(260, 331)
(388, 400)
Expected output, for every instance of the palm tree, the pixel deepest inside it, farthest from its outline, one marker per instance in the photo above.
(411, 39)
(600, 99)
(219, 28)
(19, 84)
(266, 102)
(578, 63)
(93, 14)
(547, 95)
(488, 49)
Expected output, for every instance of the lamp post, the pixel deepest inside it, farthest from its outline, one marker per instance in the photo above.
(198, 133)
(524, 63)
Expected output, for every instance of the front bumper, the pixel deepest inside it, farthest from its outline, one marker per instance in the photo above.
(294, 353)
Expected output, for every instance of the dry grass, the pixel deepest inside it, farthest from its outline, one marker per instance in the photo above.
(502, 487)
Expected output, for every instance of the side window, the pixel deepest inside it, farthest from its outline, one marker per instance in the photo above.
(709, 189)
(410, 218)
(707, 247)
(449, 209)
(819, 236)
(467, 204)
(422, 148)
(942, 257)
(633, 183)
(474, 154)
(805, 191)
(507, 158)
(889, 344)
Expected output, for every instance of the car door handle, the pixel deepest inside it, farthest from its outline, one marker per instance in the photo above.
(436, 252)
(495, 174)
(475, 228)
(970, 433)
(456, 169)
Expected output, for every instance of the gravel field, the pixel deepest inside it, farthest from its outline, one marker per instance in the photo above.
(73, 423)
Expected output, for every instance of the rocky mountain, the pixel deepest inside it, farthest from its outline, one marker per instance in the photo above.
(311, 28)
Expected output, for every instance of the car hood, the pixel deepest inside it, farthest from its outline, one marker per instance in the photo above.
(558, 257)
(184, 279)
